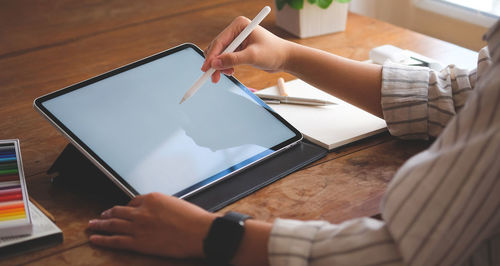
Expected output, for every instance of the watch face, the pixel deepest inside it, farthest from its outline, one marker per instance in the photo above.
(223, 239)
(228, 229)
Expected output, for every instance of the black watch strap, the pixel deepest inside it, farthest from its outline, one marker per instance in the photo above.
(224, 237)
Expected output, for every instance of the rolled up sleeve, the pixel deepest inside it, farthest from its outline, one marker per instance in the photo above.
(418, 102)
(321, 243)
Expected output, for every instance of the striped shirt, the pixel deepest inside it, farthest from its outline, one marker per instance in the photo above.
(443, 205)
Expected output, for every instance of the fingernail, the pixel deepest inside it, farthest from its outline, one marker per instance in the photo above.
(105, 213)
(94, 238)
(217, 63)
(93, 221)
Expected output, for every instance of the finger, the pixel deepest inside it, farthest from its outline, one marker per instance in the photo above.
(205, 52)
(136, 201)
(122, 212)
(229, 71)
(116, 241)
(113, 226)
(206, 63)
(222, 40)
(231, 60)
(211, 53)
(216, 76)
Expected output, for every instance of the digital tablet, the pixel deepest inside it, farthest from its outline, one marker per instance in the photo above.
(130, 124)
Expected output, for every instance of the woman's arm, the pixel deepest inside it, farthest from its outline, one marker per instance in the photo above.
(167, 226)
(416, 102)
(419, 103)
(356, 82)
(353, 81)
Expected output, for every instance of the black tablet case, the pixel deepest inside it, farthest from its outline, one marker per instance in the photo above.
(72, 167)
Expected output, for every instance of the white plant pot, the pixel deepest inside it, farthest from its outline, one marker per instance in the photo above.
(312, 20)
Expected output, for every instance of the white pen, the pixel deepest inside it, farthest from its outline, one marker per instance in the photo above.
(234, 44)
(278, 99)
(283, 97)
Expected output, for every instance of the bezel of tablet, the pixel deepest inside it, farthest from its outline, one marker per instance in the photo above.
(113, 175)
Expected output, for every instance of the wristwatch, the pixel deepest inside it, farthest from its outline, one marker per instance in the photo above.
(224, 237)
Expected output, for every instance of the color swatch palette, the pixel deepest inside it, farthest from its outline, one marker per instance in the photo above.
(11, 196)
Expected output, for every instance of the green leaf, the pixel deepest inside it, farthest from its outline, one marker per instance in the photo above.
(280, 4)
(297, 4)
(324, 3)
(343, 1)
(311, 2)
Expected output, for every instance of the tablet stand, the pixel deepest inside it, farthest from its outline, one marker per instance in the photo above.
(75, 169)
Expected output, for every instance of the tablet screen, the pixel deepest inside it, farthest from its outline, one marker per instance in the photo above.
(131, 121)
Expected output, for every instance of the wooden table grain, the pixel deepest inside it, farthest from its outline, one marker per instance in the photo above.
(48, 45)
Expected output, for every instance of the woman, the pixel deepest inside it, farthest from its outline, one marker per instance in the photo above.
(442, 206)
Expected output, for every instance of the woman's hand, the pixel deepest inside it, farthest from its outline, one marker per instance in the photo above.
(260, 49)
(154, 224)
(353, 81)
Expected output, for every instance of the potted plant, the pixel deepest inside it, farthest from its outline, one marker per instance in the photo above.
(312, 17)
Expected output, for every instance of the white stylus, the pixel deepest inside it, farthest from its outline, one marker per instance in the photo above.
(234, 44)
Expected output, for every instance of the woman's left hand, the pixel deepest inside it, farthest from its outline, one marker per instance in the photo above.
(154, 224)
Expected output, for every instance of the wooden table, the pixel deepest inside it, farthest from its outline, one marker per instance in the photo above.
(48, 45)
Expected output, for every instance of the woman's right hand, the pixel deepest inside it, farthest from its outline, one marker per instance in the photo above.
(261, 49)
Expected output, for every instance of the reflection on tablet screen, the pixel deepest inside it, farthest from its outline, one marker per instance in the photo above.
(133, 121)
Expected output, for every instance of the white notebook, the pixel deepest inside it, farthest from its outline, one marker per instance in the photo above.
(328, 126)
